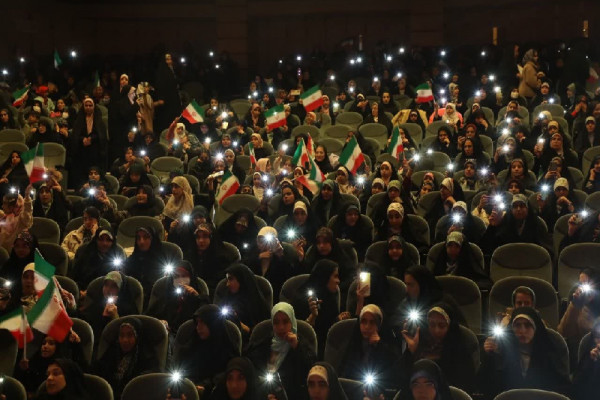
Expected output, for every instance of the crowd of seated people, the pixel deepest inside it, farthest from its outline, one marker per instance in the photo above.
(342, 263)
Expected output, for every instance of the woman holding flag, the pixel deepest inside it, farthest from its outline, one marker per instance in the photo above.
(16, 216)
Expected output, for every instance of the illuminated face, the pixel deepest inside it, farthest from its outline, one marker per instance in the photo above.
(514, 188)
(394, 219)
(232, 284)
(520, 211)
(320, 153)
(202, 240)
(282, 325)
(318, 389)
(324, 246)
(236, 384)
(516, 169)
(287, 196)
(352, 217)
(386, 98)
(334, 281)
(55, 380)
(469, 171)
(104, 243)
(523, 300)
(226, 141)
(127, 339)
(300, 216)
(523, 330)
(468, 148)
(438, 326)
(423, 389)
(556, 142)
(143, 240)
(368, 325)
(412, 287)
(395, 251)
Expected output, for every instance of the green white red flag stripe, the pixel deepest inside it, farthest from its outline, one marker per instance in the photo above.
(301, 156)
(315, 172)
(424, 93)
(396, 148)
(229, 186)
(34, 163)
(312, 98)
(352, 157)
(57, 60)
(308, 183)
(16, 323)
(193, 113)
(251, 153)
(19, 96)
(44, 271)
(49, 316)
(96, 79)
(275, 117)
(310, 146)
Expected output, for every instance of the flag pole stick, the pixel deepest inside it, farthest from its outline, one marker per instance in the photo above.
(24, 333)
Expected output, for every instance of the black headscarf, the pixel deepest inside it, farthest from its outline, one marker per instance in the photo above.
(14, 266)
(248, 302)
(245, 366)
(89, 263)
(228, 233)
(430, 289)
(433, 373)
(75, 388)
(336, 392)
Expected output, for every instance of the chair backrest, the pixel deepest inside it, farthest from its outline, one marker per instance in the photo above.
(69, 285)
(188, 328)
(12, 135)
(593, 201)
(584, 347)
(122, 201)
(8, 349)
(588, 156)
(54, 155)
(263, 285)
(45, 230)
(332, 145)
(437, 248)
(162, 167)
(75, 223)
(312, 130)
(577, 177)
(414, 130)
(338, 131)
(155, 337)
(350, 198)
(86, 334)
(3, 255)
(376, 131)
(440, 162)
(155, 181)
(532, 394)
(468, 297)
(8, 147)
(154, 386)
(417, 177)
(572, 260)
(13, 389)
(427, 202)
(338, 338)
(136, 292)
(113, 184)
(521, 259)
(500, 297)
(349, 118)
(419, 228)
(377, 251)
(55, 255)
(555, 109)
(234, 203)
(264, 329)
(397, 293)
(194, 182)
(373, 202)
(478, 225)
(128, 227)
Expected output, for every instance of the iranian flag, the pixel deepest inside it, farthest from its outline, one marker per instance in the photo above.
(229, 186)
(44, 271)
(34, 163)
(308, 183)
(301, 156)
(275, 117)
(315, 172)
(310, 146)
(352, 157)
(312, 98)
(193, 113)
(424, 93)
(49, 316)
(96, 79)
(16, 323)
(396, 148)
(251, 153)
(57, 60)
(19, 96)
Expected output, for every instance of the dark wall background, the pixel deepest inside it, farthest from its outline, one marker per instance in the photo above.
(257, 33)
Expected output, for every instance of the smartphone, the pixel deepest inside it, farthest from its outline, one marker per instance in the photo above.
(276, 387)
(553, 166)
(365, 280)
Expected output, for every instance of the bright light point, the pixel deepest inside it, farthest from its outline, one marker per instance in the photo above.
(310, 293)
(399, 74)
(117, 262)
(298, 58)
(484, 171)
(270, 89)
(351, 89)
(483, 54)
(369, 379)
(219, 156)
(211, 54)
(13, 190)
(176, 376)
(175, 142)
(389, 58)
(352, 61)
(478, 93)
(182, 60)
(280, 61)
(361, 180)
(501, 206)
(179, 290)
(249, 97)
(4, 72)
(269, 237)
(224, 311)
(255, 94)
(541, 115)
(586, 288)
(443, 53)
(143, 153)
(505, 148)
(363, 276)
(508, 120)
(375, 79)
(443, 100)
(207, 140)
(442, 91)
(498, 331)
(401, 50)
(450, 166)
(73, 53)
(186, 218)
(498, 198)
(413, 315)
(545, 188)
(551, 101)
(291, 234)
(217, 66)
(110, 300)
(223, 114)
(332, 78)
(446, 75)
(284, 147)
(7, 284)
(269, 377)
(497, 89)
(359, 59)
(269, 192)
(456, 217)
(45, 176)
(245, 245)
(584, 213)
(235, 144)
(429, 151)
(416, 157)
(169, 269)
(492, 78)
(265, 178)
(92, 191)
(161, 189)
(22, 59)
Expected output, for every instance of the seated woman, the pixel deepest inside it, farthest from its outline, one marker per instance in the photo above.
(244, 298)
(205, 356)
(240, 230)
(592, 179)
(327, 246)
(450, 193)
(182, 233)
(449, 115)
(133, 179)
(457, 259)
(121, 165)
(289, 197)
(64, 381)
(180, 203)
(474, 178)
(524, 357)
(556, 170)
(395, 262)
(52, 204)
(95, 178)
(322, 159)
(445, 142)
(586, 377)
(345, 181)
(507, 150)
(270, 261)
(323, 383)
(126, 358)
(300, 228)
(82, 235)
(146, 203)
(349, 225)
(371, 349)
(146, 263)
(114, 301)
(426, 382)
(13, 173)
(234, 166)
(553, 205)
(96, 258)
(518, 171)
(202, 167)
(258, 144)
(397, 224)
(239, 383)
(22, 253)
(208, 256)
(472, 150)
(555, 147)
(441, 341)
(316, 301)
(459, 220)
(98, 199)
(285, 353)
